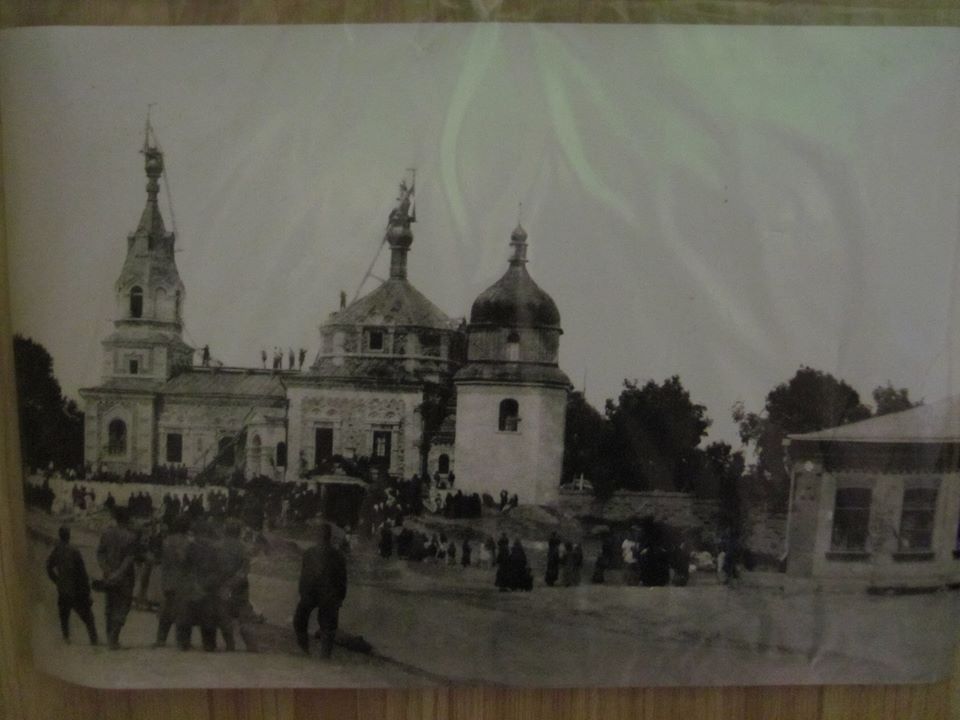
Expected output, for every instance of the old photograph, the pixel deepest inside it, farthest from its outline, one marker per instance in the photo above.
(519, 355)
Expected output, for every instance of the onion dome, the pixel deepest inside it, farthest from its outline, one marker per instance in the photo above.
(515, 300)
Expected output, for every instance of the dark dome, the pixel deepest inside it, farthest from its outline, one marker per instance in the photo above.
(515, 300)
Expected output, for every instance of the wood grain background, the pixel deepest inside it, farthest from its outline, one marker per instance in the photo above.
(25, 693)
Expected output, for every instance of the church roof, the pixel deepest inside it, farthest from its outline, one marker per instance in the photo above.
(395, 302)
(515, 300)
(225, 383)
(937, 422)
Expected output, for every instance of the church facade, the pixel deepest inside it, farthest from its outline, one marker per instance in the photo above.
(394, 380)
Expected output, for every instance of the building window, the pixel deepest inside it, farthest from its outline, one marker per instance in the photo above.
(443, 464)
(134, 366)
(174, 447)
(376, 340)
(281, 454)
(851, 520)
(430, 344)
(136, 302)
(322, 445)
(117, 437)
(509, 415)
(381, 446)
(916, 519)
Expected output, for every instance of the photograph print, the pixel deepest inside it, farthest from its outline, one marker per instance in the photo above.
(516, 355)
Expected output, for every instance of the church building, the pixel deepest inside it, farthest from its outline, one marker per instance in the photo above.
(395, 380)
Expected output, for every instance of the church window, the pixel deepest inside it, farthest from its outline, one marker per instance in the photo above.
(134, 366)
(322, 445)
(916, 519)
(430, 344)
(851, 519)
(281, 454)
(177, 301)
(443, 464)
(174, 447)
(117, 437)
(509, 415)
(376, 340)
(136, 302)
(381, 445)
(513, 346)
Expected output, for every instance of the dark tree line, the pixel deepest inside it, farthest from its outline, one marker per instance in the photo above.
(650, 438)
(51, 425)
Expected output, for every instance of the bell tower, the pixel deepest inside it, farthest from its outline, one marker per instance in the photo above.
(511, 394)
(147, 342)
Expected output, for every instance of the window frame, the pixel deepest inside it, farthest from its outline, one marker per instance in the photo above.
(847, 551)
(925, 504)
(381, 335)
(178, 445)
(136, 306)
(508, 420)
(117, 447)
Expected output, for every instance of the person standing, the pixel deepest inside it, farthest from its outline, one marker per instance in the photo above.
(174, 577)
(117, 554)
(235, 584)
(323, 586)
(66, 569)
(553, 560)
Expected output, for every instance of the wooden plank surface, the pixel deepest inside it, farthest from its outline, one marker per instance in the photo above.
(27, 694)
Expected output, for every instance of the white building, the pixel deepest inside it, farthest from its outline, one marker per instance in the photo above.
(395, 380)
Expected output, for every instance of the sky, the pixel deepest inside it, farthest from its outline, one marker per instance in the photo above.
(721, 203)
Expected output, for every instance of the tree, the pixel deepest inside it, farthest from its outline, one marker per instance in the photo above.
(583, 435)
(652, 436)
(722, 478)
(51, 426)
(889, 399)
(810, 400)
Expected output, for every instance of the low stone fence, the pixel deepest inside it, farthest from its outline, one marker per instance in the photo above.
(764, 532)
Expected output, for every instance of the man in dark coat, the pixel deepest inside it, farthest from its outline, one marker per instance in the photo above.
(117, 554)
(175, 576)
(66, 568)
(553, 560)
(235, 584)
(207, 567)
(518, 573)
(323, 586)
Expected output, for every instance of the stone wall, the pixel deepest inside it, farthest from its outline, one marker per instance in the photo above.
(763, 532)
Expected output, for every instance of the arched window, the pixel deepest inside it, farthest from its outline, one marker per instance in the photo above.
(443, 464)
(281, 454)
(117, 437)
(136, 302)
(513, 346)
(177, 301)
(509, 415)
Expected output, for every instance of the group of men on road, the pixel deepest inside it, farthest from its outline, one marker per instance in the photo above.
(204, 582)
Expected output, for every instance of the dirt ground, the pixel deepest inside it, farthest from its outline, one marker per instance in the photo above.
(431, 624)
